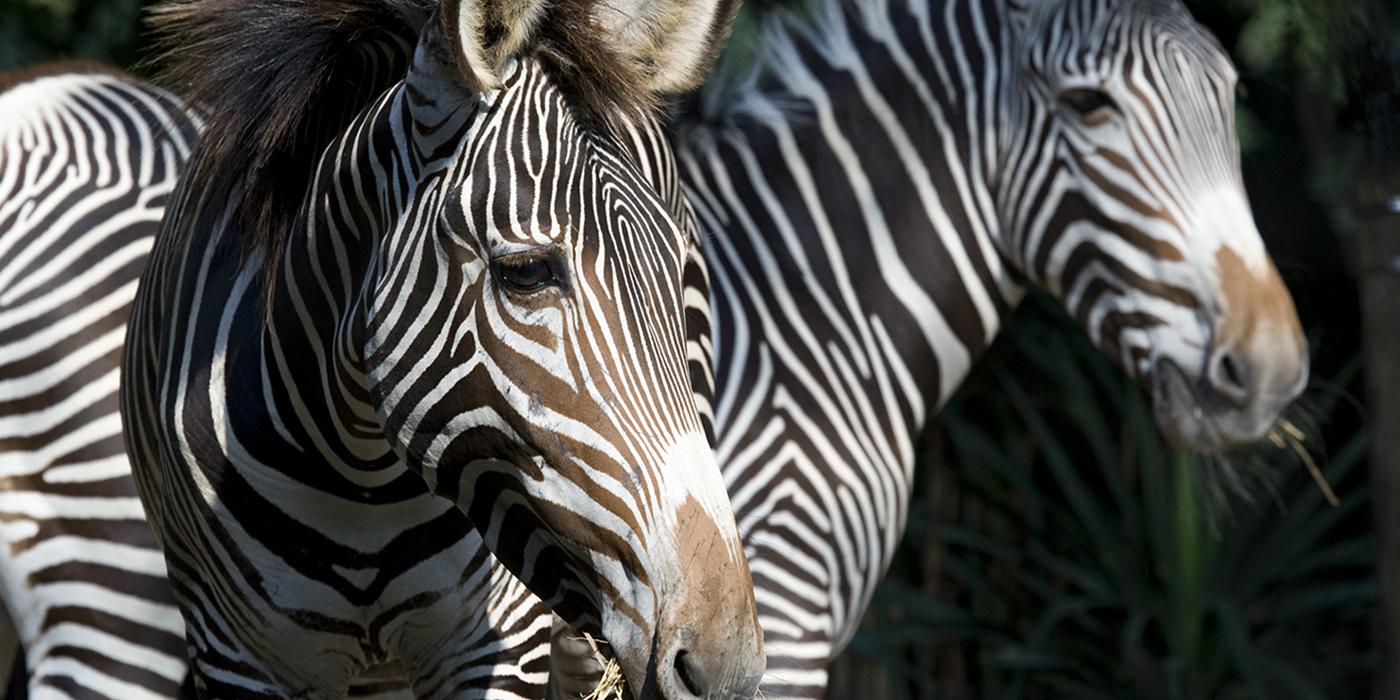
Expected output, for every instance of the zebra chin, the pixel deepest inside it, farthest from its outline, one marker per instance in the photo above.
(675, 607)
(1194, 415)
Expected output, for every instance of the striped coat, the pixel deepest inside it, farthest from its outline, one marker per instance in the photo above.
(88, 159)
(878, 188)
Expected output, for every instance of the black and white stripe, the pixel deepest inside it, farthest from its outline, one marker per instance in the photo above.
(481, 288)
(140, 611)
(818, 401)
(88, 159)
(876, 194)
(1085, 146)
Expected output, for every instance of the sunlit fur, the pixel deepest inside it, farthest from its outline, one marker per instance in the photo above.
(74, 569)
(794, 601)
(93, 155)
(875, 195)
(284, 419)
(88, 159)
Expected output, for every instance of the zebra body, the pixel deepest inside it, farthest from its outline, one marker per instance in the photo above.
(875, 197)
(68, 121)
(877, 193)
(88, 159)
(475, 309)
(873, 375)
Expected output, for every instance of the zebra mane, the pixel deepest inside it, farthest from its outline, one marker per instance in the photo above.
(279, 79)
(766, 36)
(276, 80)
(771, 34)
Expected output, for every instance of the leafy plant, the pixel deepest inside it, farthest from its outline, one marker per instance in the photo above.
(1089, 560)
(33, 31)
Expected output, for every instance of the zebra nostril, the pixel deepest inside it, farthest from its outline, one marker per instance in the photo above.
(690, 676)
(1229, 378)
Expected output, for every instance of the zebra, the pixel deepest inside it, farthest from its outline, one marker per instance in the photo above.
(92, 155)
(420, 294)
(78, 115)
(88, 159)
(878, 188)
(801, 39)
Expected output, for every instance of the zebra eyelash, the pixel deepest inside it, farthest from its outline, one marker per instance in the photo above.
(1090, 104)
(529, 272)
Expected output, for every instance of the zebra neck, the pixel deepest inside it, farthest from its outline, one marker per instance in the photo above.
(315, 342)
(849, 193)
(859, 167)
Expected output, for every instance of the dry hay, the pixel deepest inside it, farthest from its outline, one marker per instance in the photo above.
(1290, 436)
(611, 686)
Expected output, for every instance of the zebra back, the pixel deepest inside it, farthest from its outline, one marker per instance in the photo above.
(88, 158)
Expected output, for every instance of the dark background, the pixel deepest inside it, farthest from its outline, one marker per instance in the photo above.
(1056, 547)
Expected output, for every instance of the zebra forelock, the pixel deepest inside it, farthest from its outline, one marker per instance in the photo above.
(280, 79)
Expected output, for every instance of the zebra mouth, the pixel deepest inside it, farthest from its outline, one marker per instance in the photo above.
(1174, 407)
(1192, 418)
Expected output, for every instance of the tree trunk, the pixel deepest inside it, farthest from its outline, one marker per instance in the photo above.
(949, 660)
(1379, 262)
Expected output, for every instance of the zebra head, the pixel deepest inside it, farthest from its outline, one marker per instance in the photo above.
(1124, 197)
(526, 337)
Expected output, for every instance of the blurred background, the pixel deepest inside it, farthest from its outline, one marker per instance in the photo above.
(1056, 547)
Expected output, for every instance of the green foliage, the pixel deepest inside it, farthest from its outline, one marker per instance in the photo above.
(34, 31)
(1312, 54)
(1089, 560)
(1317, 38)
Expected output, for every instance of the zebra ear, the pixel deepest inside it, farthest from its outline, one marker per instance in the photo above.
(647, 46)
(671, 43)
(484, 33)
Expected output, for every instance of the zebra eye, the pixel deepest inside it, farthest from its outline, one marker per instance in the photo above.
(525, 273)
(1088, 103)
